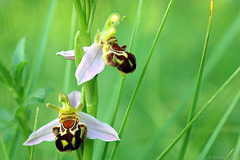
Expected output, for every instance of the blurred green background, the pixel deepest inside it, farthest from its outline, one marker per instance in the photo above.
(167, 86)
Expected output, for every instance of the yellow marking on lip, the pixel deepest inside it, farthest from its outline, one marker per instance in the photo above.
(64, 143)
(73, 142)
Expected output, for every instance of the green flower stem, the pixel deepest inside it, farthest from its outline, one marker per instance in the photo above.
(92, 13)
(42, 47)
(87, 11)
(4, 148)
(34, 129)
(229, 154)
(83, 39)
(82, 23)
(78, 154)
(140, 79)
(197, 89)
(218, 128)
(195, 118)
(91, 91)
(91, 94)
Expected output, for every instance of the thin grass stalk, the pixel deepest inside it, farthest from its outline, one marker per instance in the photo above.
(114, 116)
(140, 80)
(34, 129)
(213, 60)
(226, 41)
(133, 36)
(70, 46)
(218, 128)
(4, 148)
(197, 88)
(229, 154)
(132, 40)
(42, 46)
(195, 118)
(236, 150)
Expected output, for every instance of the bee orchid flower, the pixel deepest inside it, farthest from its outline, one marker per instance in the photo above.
(104, 50)
(71, 128)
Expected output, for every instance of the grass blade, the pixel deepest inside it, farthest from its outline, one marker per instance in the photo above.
(135, 27)
(4, 148)
(34, 129)
(42, 47)
(203, 109)
(218, 128)
(236, 150)
(210, 64)
(229, 154)
(140, 79)
(197, 88)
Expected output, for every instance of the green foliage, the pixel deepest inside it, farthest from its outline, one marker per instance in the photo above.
(6, 76)
(19, 55)
(21, 117)
(161, 107)
(5, 119)
(37, 96)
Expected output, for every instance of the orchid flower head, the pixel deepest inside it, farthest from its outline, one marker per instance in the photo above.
(104, 50)
(72, 127)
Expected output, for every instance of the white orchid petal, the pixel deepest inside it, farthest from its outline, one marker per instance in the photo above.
(91, 64)
(98, 129)
(67, 54)
(42, 134)
(74, 98)
(70, 54)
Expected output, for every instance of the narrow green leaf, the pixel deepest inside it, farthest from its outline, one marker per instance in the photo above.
(78, 49)
(18, 76)
(34, 129)
(42, 46)
(4, 148)
(19, 54)
(135, 27)
(21, 117)
(124, 122)
(218, 128)
(229, 154)
(197, 88)
(5, 75)
(19, 79)
(236, 149)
